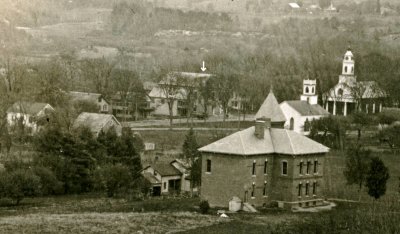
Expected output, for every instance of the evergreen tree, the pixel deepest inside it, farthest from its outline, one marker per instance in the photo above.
(191, 153)
(378, 175)
(357, 166)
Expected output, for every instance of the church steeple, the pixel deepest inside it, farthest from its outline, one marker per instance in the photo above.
(347, 75)
(309, 92)
(348, 63)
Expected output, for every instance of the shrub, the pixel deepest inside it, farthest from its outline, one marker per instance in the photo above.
(19, 184)
(204, 206)
(50, 185)
(113, 179)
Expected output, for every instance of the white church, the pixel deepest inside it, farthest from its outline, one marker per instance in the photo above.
(300, 113)
(349, 95)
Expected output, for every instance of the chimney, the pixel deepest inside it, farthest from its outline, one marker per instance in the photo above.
(259, 129)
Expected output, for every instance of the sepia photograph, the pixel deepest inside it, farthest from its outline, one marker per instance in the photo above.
(199, 116)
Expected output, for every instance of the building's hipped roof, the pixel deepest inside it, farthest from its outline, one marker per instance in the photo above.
(94, 121)
(271, 109)
(305, 109)
(30, 108)
(280, 141)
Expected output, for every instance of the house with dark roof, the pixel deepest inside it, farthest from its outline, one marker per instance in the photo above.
(350, 95)
(97, 122)
(264, 164)
(300, 113)
(163, 177)
(29, 114)
(95, 98)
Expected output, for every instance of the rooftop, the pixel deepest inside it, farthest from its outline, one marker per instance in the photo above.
(271, 109)
(306, 109)
(84, 96)
(280, 141)
(30, 108)
(165, 169)
(94, 121)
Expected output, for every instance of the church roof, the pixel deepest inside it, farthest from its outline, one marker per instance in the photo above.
(280, 141)
(305, 109)
(271, 109)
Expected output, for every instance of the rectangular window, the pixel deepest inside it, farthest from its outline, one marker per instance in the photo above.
(165, 185)
(307, 185)
(284, 168)
(265, 189)
(300, 188)
(301, 168)
(314, 188)
(253, 187)
(316, 166)
(308, 167)
(208, 165)
(265, 167)
(253, 172)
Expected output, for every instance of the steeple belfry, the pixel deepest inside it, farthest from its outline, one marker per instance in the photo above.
(347, 75)
(348, 63)
(309, 92)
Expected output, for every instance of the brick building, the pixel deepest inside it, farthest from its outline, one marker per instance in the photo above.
(262, 164)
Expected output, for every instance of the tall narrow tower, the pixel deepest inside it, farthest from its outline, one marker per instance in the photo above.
(348, 68)
(309, 92)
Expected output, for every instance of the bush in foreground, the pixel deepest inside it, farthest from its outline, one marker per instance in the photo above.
(204, 207)
(19, 184)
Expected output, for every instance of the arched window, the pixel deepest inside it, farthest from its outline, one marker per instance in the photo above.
(347, 58)
(291, 124)
(312, 90)
(345, 69)
(352, 69)
(307, 90)
(340, 92)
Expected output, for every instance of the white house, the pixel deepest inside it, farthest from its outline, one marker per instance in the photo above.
(29, 113)
(300, 113)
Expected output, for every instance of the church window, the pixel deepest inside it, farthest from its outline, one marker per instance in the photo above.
(352, 69)
(312, 90)
(340, 92)
(307, 90)
(291, 123)
(347, 58)
(345, 69)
